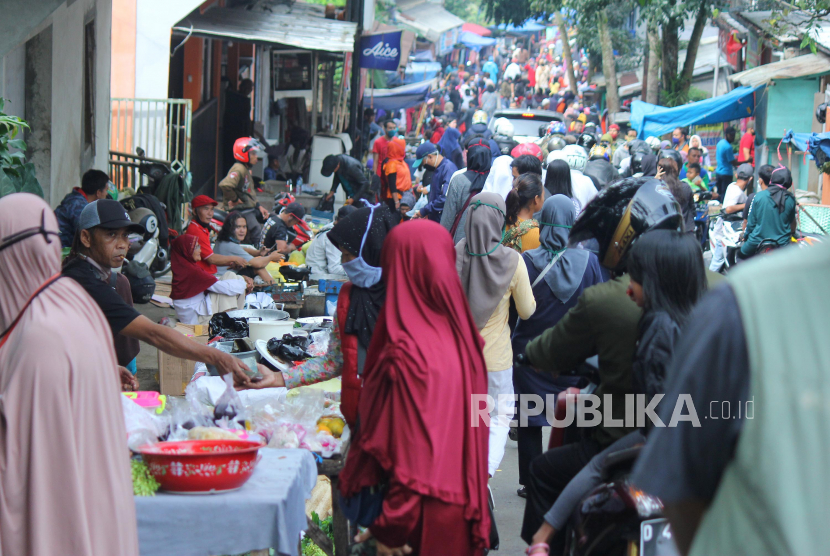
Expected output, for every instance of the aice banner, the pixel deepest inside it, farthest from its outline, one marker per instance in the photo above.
(381, 51)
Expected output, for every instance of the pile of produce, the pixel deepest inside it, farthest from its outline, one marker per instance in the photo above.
(143, 483)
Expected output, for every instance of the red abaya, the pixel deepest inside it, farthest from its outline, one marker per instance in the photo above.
(424, 365)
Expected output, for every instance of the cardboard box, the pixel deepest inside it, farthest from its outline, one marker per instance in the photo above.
(175, 372)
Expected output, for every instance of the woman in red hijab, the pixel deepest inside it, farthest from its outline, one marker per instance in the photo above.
(196, 294)
(414, 438)
(395, 179)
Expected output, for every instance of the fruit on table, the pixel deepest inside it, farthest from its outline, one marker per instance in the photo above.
(334, 425)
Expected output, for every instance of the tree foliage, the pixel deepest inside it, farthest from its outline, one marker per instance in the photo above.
(16, 175)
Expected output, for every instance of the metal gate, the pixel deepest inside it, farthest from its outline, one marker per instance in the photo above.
(159, 127)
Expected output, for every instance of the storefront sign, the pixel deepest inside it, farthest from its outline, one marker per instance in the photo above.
(381, 51)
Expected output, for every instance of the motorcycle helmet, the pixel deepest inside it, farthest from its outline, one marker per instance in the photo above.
(637, 163)
(638, 146)
(142, 284)
(672, 154)
(556, 144)
(598, 152)
(503, 127)
(480, 117)
(557, 128)
(555, 155)
(586, 141)
(619, 214)
(527, 148)
(282, 200)
(575, 156)
(654, 143)
(243, 146)
(146, 219)
(821, 113)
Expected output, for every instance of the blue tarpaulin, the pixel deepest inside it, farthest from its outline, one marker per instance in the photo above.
(398, 98)
(650, 119)
(421, 71)
(475, 42)
(817, 144)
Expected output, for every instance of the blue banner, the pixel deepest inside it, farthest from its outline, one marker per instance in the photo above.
(381, 51)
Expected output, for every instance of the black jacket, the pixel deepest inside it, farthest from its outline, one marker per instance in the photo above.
(356, 182)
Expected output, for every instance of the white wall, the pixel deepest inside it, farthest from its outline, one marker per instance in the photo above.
(12, 84)
(154, 21)
(67, 23)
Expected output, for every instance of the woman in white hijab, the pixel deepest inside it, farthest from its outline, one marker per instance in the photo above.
(500, 179)
(65, 485)
(695, 141)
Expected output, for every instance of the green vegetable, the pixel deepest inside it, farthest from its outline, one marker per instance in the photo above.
(311, 549)
(144, 484)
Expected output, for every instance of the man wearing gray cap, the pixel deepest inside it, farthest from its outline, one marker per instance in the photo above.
(733, 203)
(101, 244)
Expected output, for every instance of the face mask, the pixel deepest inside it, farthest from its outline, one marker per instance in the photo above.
(429, 167)
(361, 273)
(391, 133)
(675, 141)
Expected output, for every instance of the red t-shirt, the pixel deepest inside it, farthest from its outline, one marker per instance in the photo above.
(531, 75)
(747, 142)
(203, 235)
(380, 147)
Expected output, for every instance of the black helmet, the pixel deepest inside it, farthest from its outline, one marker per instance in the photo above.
(821, 112)
(674, 155)
(639, 146)
(142, 284)
(621, 213)
(637, 163)
(586, 141)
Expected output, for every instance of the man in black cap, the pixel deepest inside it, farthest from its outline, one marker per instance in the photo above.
(352, 175)
(442, 171)
(278, 230)
(101, 245)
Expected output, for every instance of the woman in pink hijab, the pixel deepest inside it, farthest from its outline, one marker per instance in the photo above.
(65, 484)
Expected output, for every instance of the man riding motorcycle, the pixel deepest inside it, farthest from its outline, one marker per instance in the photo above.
(237, 188)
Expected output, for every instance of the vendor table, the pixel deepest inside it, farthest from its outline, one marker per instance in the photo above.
(267, 512)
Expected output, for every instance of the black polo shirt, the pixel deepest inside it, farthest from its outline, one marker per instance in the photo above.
(118, 313)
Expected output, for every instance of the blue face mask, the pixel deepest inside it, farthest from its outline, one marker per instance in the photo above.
(391, 133)
(675, 140)
(361, 273)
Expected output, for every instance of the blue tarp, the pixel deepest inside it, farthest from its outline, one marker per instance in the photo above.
(817, 144)
(421, 71)
(650, 119)
(475, 42)
(398, 98)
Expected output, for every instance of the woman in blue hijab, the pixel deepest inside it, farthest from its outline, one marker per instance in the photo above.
(451, 148)
(558, 275)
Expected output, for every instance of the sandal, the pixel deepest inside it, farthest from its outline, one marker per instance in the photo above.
(545, 548)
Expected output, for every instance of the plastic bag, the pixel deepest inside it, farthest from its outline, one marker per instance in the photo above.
(143, 427)
(187, 414)
(319, 342)
(229, 408)
(227, 327)
(290, 347)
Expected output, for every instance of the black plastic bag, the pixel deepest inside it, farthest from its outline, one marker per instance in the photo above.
(290, 347)
(227, 327)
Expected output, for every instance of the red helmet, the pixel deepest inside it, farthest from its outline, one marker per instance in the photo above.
(241, 148)
(527, 148)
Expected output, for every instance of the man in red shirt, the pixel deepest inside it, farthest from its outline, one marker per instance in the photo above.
(531, 74)
(390, 130)
(746, 151)
(200, 227)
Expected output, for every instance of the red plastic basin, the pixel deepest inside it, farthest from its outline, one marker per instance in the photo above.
(201, 466)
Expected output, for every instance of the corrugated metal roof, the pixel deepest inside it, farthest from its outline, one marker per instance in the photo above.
(801, 66)
(299, 25)
(429, 19)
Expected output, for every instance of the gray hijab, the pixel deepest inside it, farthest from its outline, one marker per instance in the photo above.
(565, 276)
(485, 266)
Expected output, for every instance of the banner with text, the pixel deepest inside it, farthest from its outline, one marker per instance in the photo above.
(381, 51)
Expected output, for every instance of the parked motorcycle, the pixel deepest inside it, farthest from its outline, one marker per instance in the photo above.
(702, 219)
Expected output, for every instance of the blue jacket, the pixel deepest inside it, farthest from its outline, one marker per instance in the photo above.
(438, 190)
(68, 213)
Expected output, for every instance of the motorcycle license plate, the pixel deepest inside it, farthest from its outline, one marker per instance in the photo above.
(656, 538)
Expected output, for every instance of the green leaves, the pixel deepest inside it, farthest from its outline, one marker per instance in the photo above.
(16, 175)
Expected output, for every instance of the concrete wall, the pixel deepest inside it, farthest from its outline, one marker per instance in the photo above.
(68, 163)
(154, 23)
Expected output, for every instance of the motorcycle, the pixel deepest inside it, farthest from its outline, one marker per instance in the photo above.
(702, 218)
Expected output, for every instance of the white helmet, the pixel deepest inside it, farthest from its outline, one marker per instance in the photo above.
(504, 127)
(653, 142)
(575, 156)
(556, 155)
(480, 117)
